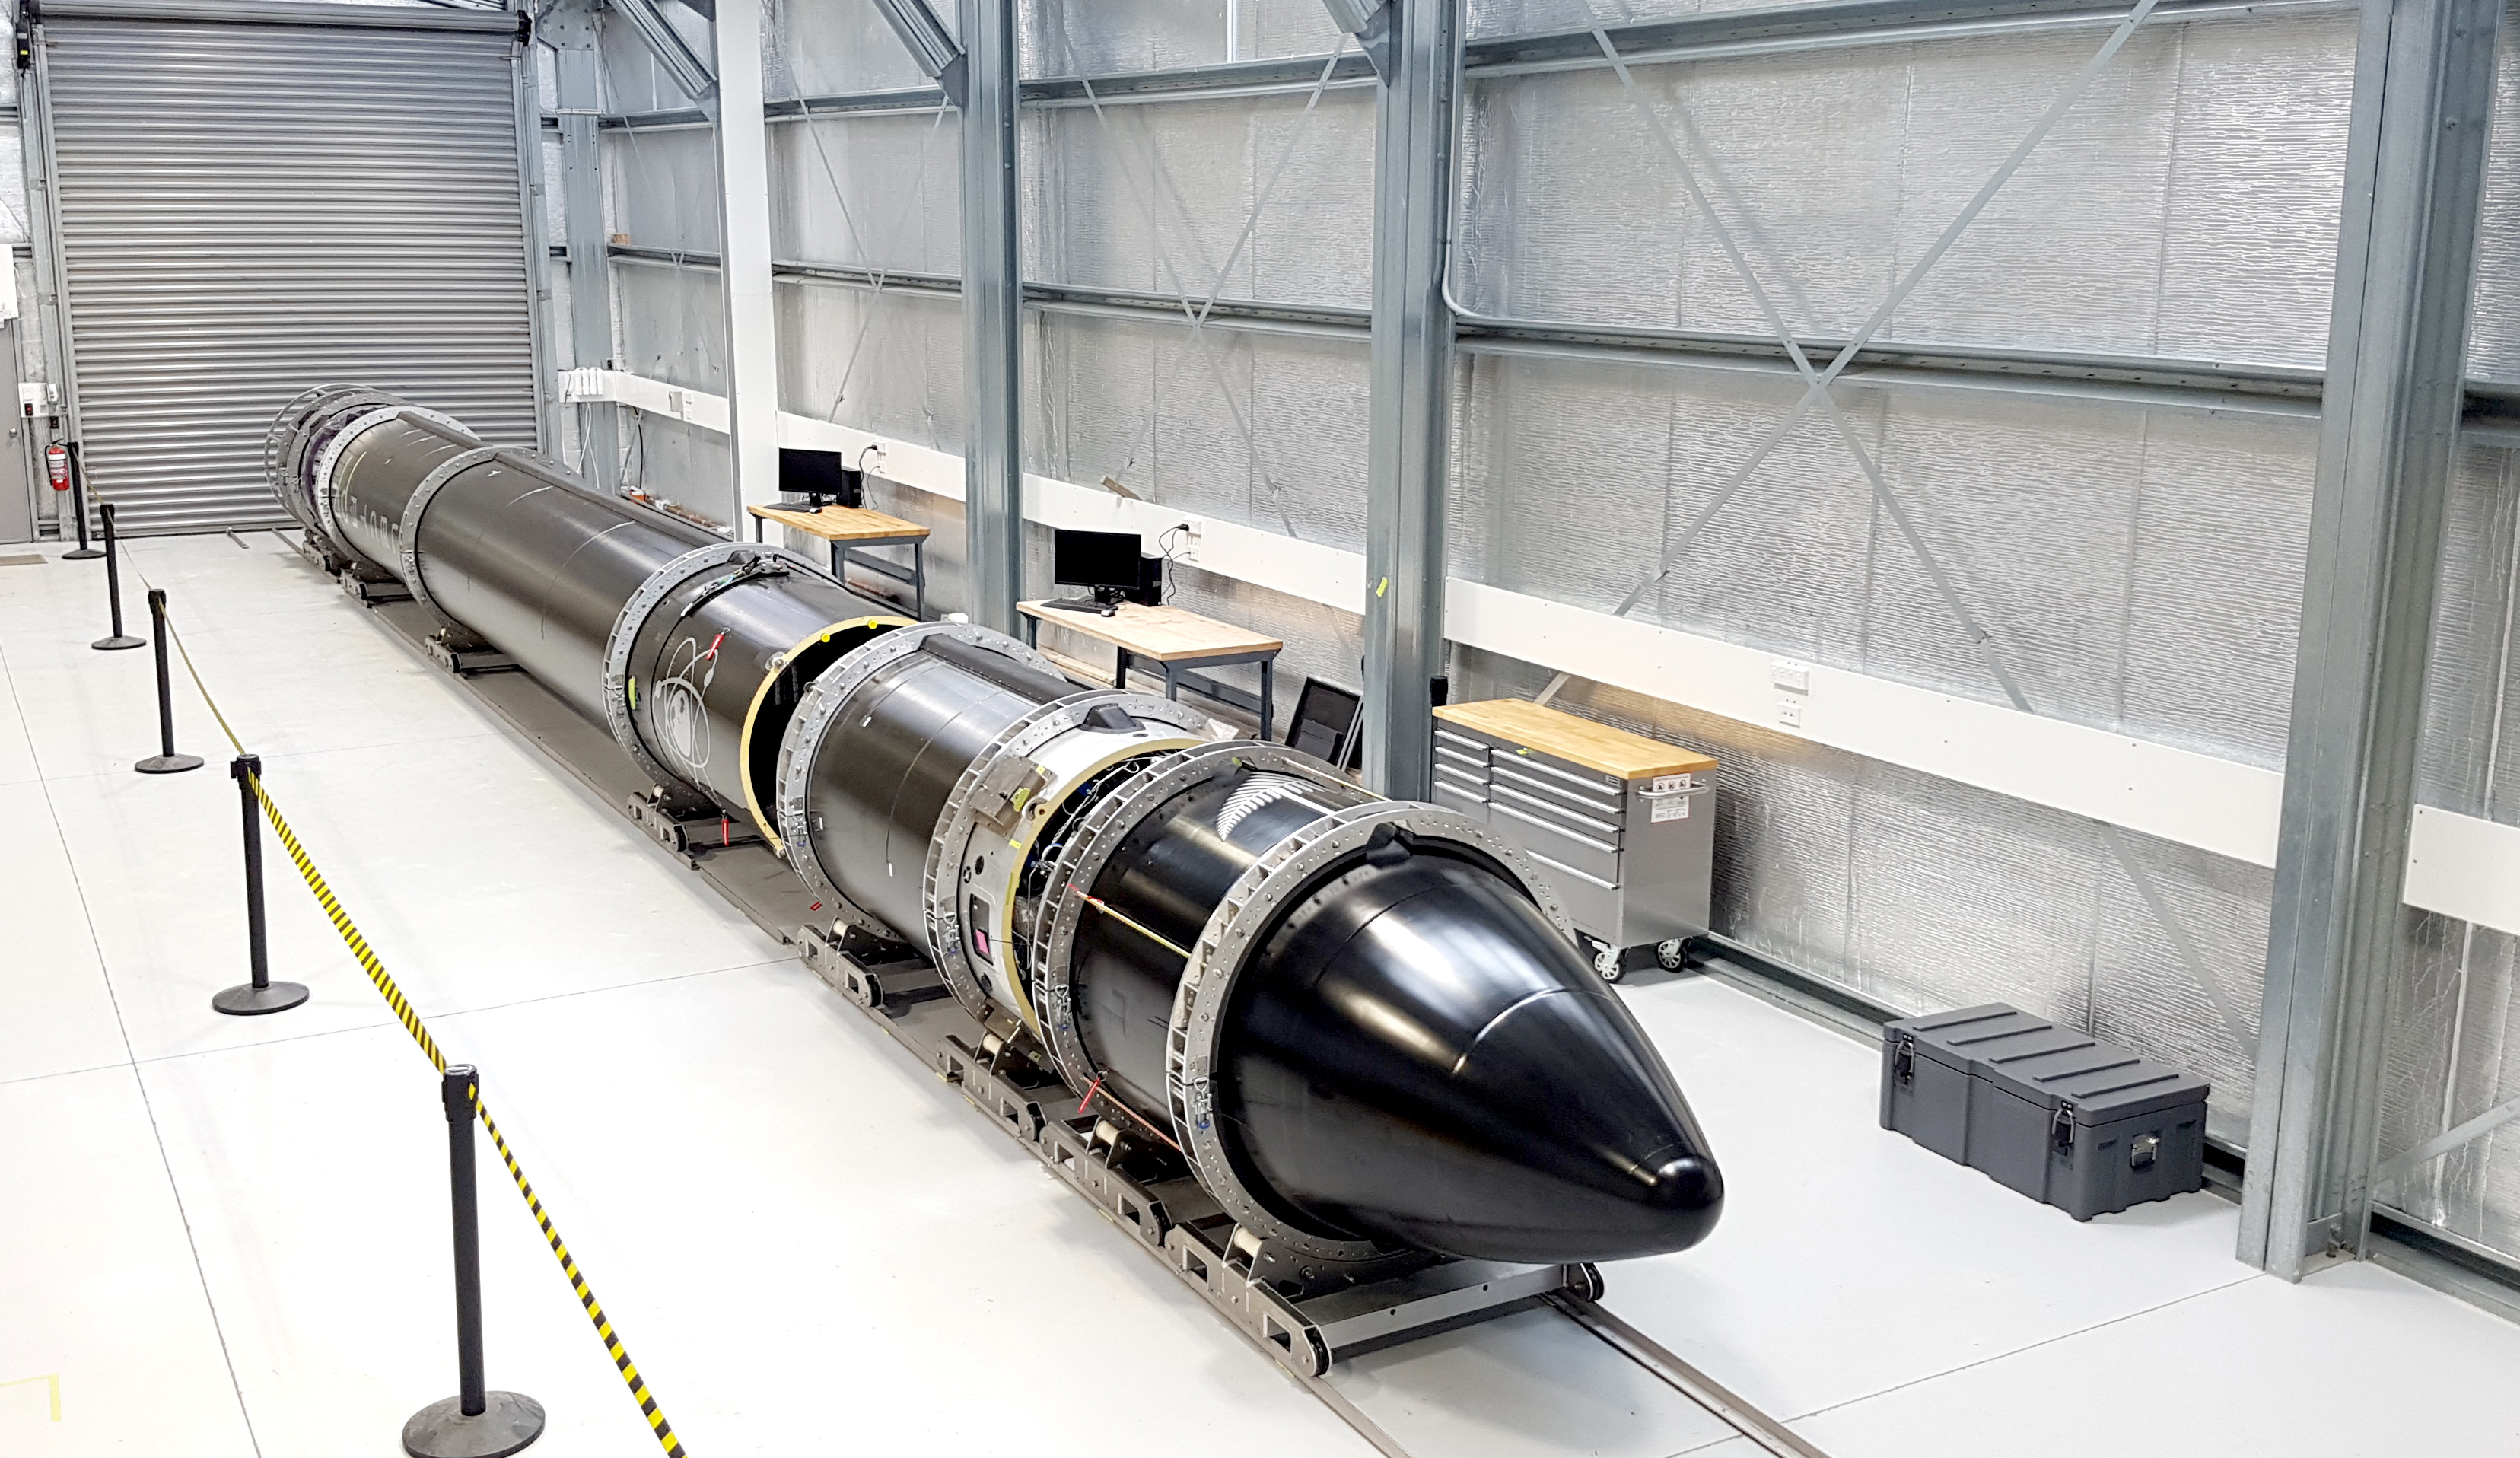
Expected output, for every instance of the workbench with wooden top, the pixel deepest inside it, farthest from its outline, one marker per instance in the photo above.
(851, 528)
(1173, 639)
(1624, 825)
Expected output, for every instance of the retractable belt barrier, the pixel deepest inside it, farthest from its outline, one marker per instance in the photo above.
(392, 993)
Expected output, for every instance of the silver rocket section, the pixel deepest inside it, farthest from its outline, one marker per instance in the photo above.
(1362, 1025)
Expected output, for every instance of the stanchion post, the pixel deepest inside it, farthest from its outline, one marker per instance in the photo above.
(113, 585)
(165, 762)
(263, 994)
(476, 1423)
(78, 508)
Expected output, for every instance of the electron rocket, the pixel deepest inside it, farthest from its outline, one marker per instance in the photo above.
(1363, 1023)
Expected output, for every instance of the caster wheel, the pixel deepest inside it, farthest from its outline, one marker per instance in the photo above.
(1606, 961)
(1669, 953)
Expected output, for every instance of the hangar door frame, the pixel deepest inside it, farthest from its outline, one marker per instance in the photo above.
(188, 286)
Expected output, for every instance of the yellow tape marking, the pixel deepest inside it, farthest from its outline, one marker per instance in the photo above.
(392, 993)
(52, 1380)
(418, 1031)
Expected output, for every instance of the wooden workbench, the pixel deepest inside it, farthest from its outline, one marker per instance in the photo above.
(1173, 638)
(847, 527)
(1576, 740)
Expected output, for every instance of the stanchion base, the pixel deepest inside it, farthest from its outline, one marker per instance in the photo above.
(247, 1000)
(81, 554)
(125, 641)
(508, 1423)
(169, 764)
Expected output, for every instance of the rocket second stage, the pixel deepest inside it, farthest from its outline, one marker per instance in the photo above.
(1362, 1024)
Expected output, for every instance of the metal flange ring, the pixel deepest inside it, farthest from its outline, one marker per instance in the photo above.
(1096, 838)
(325, 464)
(1216, 959)
(275, 441)
(819, 705)
(330, 401)
(940, 886)
(336, 401)
(407, 541)
(633, 616)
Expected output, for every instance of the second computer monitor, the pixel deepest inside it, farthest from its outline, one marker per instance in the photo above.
(1106, 561)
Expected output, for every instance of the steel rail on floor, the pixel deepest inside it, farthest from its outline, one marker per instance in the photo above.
(758, 883)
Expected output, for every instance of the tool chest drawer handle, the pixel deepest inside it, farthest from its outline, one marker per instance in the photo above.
(1595, 784)
(1568, 822)
(1607, 885)
(1599, 800)
(1500, 807)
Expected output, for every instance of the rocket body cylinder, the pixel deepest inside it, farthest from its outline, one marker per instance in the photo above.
(1392, 1044)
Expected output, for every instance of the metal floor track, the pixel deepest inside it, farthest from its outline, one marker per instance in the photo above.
(759, 883)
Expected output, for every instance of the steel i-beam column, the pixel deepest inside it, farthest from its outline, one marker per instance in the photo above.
(992, 316)
(2424, 93)
(571, 28)
(1411, 381)
(743, 272)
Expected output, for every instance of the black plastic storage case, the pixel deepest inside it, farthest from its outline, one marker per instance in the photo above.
(2084, 1125)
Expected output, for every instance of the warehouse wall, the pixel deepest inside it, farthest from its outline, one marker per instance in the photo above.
(2454, 1035)
(668, 317)
(2134, 558)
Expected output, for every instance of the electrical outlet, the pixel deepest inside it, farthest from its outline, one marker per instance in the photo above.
(1789, 713)
(1790, 675)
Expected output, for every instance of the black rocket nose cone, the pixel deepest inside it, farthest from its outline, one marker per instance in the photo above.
(1414, 1055)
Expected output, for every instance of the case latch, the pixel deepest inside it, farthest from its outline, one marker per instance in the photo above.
(2061, 1129)
(1903, 1061)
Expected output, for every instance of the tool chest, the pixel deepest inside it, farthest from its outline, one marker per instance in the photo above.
(1623, 824)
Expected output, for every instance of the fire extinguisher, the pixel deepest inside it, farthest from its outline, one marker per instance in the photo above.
(57, 465)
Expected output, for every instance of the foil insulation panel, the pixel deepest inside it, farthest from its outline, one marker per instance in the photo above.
(2185, 207)
(834, 47)
(2138, 569)
(874, 192)
(669, 322)
(663, 185)
(888, 362)
(2454, 1016)
(1064, 39)
(1155, 196)
(1256, 429)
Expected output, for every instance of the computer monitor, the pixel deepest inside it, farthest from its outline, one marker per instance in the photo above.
(1106, 562)
(1326, 724)
(821, 476)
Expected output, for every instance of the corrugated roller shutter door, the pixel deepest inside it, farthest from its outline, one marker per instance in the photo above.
(250, 209)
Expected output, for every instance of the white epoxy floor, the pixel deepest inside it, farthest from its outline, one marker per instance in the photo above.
(227, 1236)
